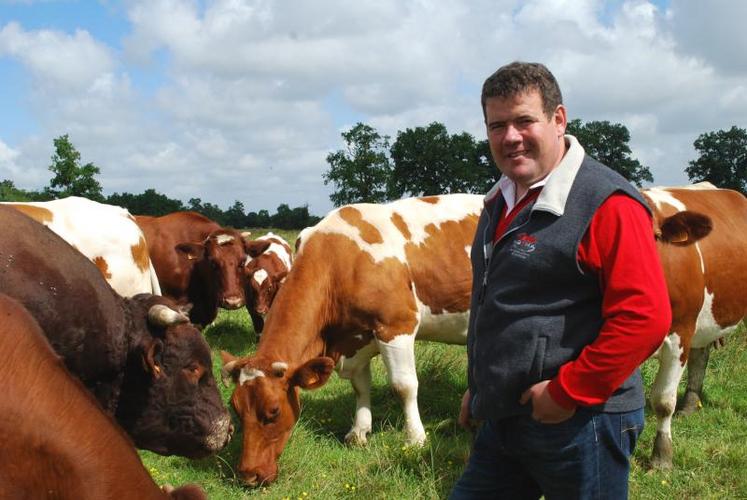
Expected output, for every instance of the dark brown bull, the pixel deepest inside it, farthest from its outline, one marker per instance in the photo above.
(56, 442)
(197, 261)
(140, 357)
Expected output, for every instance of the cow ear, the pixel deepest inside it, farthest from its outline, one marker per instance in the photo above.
(280, 276)
(685, 228)
(314, 373)
(152, 358)
(231, 368)
(193, 251)
(257, 247)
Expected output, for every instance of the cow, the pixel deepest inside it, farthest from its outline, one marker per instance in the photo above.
(267, 264)
(106, 234)
(56, 441)
(140, 357)
(367, 279)
(197, 261)
(705, 267)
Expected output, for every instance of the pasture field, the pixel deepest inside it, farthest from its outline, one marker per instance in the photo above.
(710, 446)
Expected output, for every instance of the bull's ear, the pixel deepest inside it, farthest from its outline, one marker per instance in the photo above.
(314, 373)
(231, 368)
(280, 276)
(152, 362)
(257, 247)
(685, 228)
(192, 251)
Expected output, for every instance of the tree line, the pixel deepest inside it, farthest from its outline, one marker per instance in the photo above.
(70, 178)
(428, 160)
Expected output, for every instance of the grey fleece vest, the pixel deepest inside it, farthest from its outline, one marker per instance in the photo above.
(533, 309)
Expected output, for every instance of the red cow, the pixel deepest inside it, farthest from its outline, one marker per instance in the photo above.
(140, 357)
(56, 442)
(705, 280)
(267, 265)
(197, 261)
(367, 280)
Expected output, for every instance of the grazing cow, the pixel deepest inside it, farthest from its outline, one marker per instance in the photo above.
(367, 280)
(106, 234)
(267, 264)
(705, 280)
(197, 261)
(56, 442)
(140, 357)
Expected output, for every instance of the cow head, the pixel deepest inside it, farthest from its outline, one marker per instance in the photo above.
(266, 401)
(170, 402)
(218, 263)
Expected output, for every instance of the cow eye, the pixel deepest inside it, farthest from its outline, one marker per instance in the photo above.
(272, 414)
(194, 372)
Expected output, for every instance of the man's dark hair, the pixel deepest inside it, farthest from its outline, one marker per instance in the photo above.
(518, 77)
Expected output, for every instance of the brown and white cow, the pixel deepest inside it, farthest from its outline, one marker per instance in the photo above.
(56, 441)
(367, 280)
(197, 261)
(106, 234)
(140, 357)
(705, 278)
(268, 262)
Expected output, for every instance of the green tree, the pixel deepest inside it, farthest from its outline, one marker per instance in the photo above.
(359, 173)
(608, 143)
(149, 202)
(9, 192)
(235, 216)
(428, 161)
(722, 160)
(70, 178)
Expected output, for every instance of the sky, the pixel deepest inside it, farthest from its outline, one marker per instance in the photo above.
(243, 100)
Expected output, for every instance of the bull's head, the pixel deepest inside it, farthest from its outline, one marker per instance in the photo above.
(219, 262)
(170, 402)
(266, 401)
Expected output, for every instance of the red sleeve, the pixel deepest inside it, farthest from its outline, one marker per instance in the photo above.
(619, 248)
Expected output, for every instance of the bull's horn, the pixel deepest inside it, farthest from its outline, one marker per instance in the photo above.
(161, 315)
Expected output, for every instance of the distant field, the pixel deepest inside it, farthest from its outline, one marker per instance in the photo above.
(710, 446)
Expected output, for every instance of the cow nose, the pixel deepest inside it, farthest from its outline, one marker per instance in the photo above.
(233, 302)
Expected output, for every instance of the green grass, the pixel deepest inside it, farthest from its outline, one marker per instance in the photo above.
(710, 446)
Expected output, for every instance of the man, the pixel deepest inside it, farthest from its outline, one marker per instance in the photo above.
(568, 299)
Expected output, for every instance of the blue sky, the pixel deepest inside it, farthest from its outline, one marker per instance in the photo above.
(242, 100)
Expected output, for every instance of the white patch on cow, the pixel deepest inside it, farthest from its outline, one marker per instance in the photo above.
(661, 196)
(399, 358)
(664, 388)
(281, 253)
(249, 374)
(358, 370)
(223, 239)
(107, 231)
(707, 329)
(418, 215)
(699, 186)
(260, 275)
(448, 328)
(468, 249)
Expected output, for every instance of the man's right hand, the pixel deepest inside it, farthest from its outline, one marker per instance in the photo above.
(465, 417)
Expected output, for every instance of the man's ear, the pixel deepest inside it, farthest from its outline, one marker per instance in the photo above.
(314, 373)
(151, 358)
(192, 251)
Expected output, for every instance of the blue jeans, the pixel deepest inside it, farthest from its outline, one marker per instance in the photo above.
(585, 457)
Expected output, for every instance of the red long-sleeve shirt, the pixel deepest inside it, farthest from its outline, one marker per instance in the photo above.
(619, 248)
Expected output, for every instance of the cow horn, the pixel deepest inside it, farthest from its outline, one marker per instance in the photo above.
(161, 315)
(279, 368)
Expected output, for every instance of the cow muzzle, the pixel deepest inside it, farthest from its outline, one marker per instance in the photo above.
(220, 435)
(232, 302)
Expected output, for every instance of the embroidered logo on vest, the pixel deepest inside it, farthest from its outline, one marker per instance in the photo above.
(523, 245)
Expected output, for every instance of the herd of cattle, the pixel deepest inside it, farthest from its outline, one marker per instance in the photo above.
(101, 316)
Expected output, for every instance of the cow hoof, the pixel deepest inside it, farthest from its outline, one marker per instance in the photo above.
(690, 404)
(356, 438)
(418, 441)
(661, 457)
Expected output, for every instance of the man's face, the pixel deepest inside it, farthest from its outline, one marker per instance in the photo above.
(526, 145)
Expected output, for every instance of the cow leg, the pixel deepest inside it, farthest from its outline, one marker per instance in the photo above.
(697, 362)
(399, 359)
(664, 399)
(361, 380)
